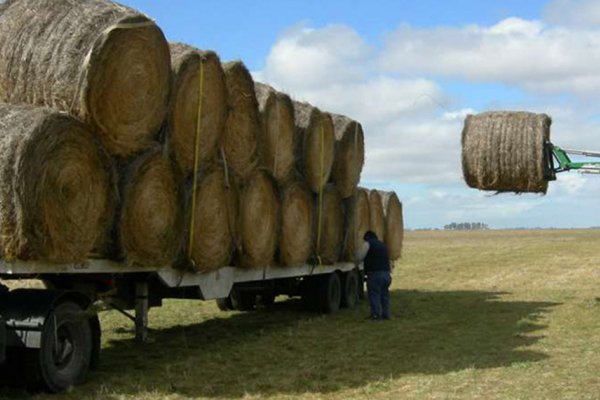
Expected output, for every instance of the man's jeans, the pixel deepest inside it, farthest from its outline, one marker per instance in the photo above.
(378, 284)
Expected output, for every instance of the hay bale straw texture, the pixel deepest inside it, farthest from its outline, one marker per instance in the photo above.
(328, 243)
(349, 154)
(357, 223)
(297, 219)
(57, 187)
(504, 151)
(214, 221)
(102, 62)
(150, 224)
(315, 144)
(189, 65)
(394, 224)
(259, 221)
(277, 131)
(240, 141)
(376, 214)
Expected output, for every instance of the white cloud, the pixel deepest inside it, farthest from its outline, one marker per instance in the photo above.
(574, 13)
(522, 53)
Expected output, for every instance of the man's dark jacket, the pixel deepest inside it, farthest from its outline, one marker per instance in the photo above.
(377, 258)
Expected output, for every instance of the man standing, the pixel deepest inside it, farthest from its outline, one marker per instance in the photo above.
(378, 270)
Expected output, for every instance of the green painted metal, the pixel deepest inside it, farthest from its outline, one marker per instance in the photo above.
(565, 163)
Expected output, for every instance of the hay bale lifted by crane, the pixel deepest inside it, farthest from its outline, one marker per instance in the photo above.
(57, 186)
(315, 144)
(505, 151)
(184, 121)
(276, 137)
(104, 63)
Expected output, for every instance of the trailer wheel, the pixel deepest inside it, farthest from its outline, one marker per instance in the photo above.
(243, 301)
(225, 304)
(66, 348)
(350, 289)
(330, 293)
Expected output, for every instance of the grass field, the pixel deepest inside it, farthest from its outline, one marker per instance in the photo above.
(497, 314)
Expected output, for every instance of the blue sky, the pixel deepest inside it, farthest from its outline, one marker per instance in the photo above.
(410, 71)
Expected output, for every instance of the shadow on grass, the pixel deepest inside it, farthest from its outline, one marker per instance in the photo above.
(284, 350)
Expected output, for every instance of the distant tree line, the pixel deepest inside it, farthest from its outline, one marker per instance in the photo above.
(465, 226)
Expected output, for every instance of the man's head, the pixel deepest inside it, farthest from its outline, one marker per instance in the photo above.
(369, 235)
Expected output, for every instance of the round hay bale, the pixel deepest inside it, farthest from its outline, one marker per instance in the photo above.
(328, 243)
(103, 62)
(315, 144)
(349, 154)
(240, 139)
(297, 219)
(150, 222)
(504, 151)
(394, 224)
(376, 214)
(214, 222)
(57, 186)
(357, 223)
(259, 219)
(277, 131)
(184, 120)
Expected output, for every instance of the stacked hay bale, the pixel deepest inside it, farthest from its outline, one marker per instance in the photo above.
(148, 230)
(504, 151)
(277, 132)
(52, 210)
(315, 144)
(240, 139)
(198, 113)
(394, 224)
(349, 154)
(104, 63)
(158, 155)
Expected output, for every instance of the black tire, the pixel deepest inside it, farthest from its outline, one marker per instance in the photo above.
(66, 351)
(225, 304)
(330, 293)
(361, 284)
(349, 289)
(243, 301)
(266, 299)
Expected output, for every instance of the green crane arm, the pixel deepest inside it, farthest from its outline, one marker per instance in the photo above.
(561, 156)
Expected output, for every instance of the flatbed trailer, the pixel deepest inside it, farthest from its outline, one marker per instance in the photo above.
(55, 332)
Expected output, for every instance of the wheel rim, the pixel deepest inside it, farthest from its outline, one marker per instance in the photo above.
(63, 348)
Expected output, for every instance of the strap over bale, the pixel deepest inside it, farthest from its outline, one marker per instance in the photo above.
(214, 221)
(197, 74)
(57, 186)
(504, 151)
(103, 62)
(276, 137)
